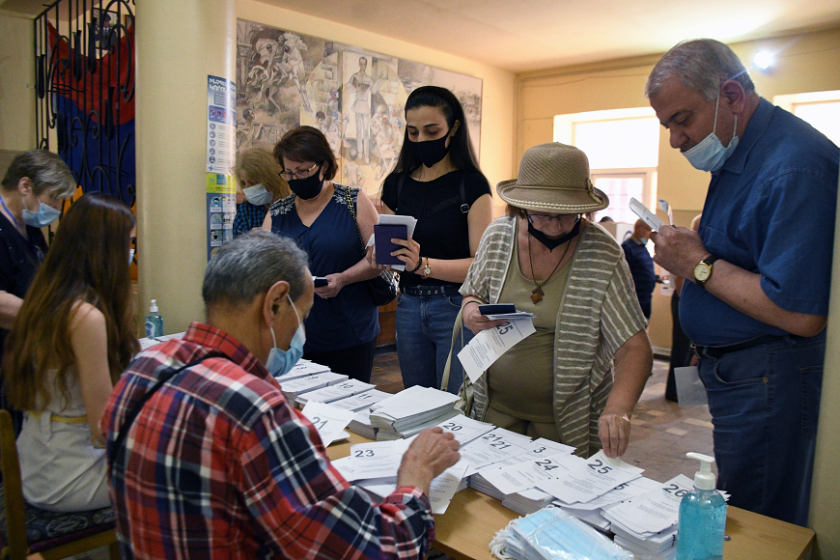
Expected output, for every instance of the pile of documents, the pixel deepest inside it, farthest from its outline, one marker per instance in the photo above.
(360, 404)
(336, 392)
(294, 387)
(410, 411)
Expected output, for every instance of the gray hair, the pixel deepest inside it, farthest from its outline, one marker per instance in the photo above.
(249, 265)
(702, 65)
(46, 171)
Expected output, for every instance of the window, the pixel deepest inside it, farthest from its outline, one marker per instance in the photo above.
(623, 150)
(820, 109)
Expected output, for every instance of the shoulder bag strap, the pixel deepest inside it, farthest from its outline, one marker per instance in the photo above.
(352, 207)
(115, 449)
(457, 329)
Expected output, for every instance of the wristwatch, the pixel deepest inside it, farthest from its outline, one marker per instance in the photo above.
(703, 271)
(427, 271)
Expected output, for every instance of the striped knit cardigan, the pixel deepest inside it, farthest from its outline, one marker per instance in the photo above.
(598, 313)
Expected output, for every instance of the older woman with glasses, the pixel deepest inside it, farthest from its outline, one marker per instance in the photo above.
(577, 378)
(328, 221)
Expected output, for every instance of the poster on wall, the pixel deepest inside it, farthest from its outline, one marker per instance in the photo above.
(355, 97)
(221, 157)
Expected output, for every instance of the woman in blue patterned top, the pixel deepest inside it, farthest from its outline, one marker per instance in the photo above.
(328, 221)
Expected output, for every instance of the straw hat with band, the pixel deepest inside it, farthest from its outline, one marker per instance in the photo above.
(553, 178)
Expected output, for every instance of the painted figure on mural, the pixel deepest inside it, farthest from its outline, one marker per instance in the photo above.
(361, 83)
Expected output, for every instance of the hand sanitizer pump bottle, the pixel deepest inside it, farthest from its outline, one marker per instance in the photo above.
(154, 322)
(702, 516)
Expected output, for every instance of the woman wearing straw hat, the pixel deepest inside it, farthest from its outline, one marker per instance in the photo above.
(578, 377)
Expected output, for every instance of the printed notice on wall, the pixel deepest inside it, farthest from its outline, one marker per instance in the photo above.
(221, 157)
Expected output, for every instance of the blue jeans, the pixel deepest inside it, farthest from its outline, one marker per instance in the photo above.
(424, 335)
(765, 403)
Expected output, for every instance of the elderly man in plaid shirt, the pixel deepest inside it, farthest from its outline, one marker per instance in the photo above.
(216, 464)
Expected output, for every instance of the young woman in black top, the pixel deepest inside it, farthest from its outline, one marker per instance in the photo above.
(437, 181)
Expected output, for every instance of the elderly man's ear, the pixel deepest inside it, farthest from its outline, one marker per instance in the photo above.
(274, 300)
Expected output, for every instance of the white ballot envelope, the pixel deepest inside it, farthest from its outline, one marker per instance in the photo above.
(486, 347)
(645, 214)
(690, 390)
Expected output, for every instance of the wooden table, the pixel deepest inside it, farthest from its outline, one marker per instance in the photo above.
(472, 519)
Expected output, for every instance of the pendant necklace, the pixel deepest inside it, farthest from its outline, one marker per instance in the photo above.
(537, 293)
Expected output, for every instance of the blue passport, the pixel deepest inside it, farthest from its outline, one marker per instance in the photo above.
(383, 233)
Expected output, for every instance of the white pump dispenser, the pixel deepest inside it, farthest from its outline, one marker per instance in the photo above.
(704, 479)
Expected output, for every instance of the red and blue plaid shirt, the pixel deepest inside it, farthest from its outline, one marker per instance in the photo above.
(218, 466)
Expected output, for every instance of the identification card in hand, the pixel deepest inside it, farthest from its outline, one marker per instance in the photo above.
(328, 420)
(486, 347)
(495, 311)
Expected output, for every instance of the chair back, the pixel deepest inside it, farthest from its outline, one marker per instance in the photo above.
(15, 546)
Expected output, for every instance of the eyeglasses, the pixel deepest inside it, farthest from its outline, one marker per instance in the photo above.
(299, 174)
(545, 219)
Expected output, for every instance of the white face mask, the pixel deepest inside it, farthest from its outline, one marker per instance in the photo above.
(257, 195)
(710, 155)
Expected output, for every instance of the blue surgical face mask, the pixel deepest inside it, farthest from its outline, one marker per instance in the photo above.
(130, 256)
(709, 155)
(44, 216)
(280, 362)
(257, 195)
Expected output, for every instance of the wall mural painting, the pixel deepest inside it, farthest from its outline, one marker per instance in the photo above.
(355, 97)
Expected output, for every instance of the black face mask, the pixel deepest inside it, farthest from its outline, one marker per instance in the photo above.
(431, 151)
(307, 188)
(550, 243)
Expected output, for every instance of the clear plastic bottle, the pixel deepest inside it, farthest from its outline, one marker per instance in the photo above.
(702, 516)
(154, 322)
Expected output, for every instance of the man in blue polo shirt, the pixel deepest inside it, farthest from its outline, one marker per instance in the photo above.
(759, 270)
(641, 265)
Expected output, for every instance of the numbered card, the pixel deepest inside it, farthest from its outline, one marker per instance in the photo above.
(524, 476)
(486, 347)
(653, 511)
(376, 459)
(620, 493)
(586, 481)
(328, 420)
(492, 448)
(465, 429)
(542, 447)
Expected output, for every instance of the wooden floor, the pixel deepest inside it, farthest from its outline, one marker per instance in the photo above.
(662, 432)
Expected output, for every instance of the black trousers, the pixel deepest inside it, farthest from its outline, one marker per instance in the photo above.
(356, 361)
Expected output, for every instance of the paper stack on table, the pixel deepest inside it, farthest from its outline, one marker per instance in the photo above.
(292, 388)
(302, 368)
(360, 404)
(328, 420)
(335, 392)
(411, 410)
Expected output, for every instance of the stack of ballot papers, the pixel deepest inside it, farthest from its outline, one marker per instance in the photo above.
(411, 411)
(293, 388)
(373, 467)
(647, 523)
(152, 340)
(328, 420)
(360, 404)
(335, 392)
(302, 369)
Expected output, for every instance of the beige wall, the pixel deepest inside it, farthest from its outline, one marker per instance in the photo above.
(806, 63)
(497, 89)
(17, 83)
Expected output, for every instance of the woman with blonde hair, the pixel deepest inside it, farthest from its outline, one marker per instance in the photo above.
(72, 339)
(258, 174)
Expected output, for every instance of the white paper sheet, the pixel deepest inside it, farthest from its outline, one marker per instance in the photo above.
(445, 485)
(486, 347)
(523, 476)
(376, 459)
(328, 420)
(586, 481)
(465, 429)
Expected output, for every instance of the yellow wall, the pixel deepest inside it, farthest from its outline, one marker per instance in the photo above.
(17, 83)
(806, 63)
(497, 88)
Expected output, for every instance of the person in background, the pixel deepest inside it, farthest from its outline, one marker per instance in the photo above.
(221, 465)
(437, 181)
(682, 354)
(759, 270)
(606, 220)
(258, 174)
(32, 194)
(641, 265)
(576, 379)
(72, 339)
(328, 221)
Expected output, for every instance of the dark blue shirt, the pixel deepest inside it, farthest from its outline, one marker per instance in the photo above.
(333, 245)
(641, 268)
(769, 210)
(248, 217)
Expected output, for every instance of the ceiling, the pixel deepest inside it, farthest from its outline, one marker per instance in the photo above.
(525, 35)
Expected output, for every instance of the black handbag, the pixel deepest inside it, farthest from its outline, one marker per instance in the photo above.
(383, 288)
